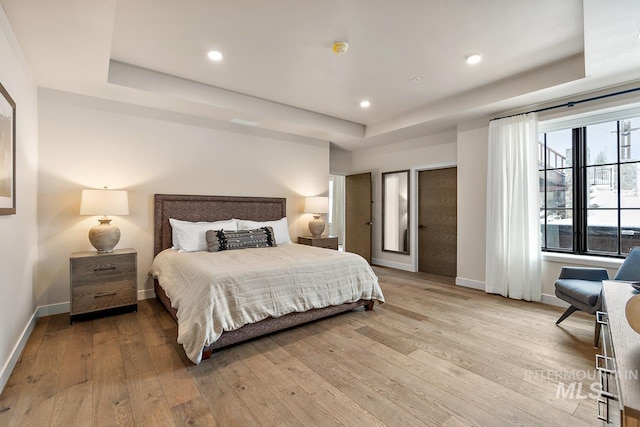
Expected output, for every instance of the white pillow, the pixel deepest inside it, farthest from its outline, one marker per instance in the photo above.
(280, 228)
(190, 236)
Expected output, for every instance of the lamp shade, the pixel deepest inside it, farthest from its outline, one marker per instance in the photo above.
(316, 205)
(104, 202)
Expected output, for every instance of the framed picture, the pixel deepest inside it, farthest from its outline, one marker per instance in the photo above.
(7, 153)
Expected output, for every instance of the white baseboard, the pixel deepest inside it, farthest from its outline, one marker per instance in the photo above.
(51, 309)
(476, 284)
(7, 369)
(391, 264)
(468, 283)
(146, 294)
(553, 300)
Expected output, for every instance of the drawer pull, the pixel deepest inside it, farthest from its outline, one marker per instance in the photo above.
(111, 294)
(104, 268)
(603, 410)
(602, 318)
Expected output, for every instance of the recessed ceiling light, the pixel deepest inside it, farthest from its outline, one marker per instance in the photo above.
(416, 79)
(474, 58)
(214, 55)
(365, 104)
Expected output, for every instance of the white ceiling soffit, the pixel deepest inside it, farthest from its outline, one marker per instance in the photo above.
(279, 71)
(238, 104)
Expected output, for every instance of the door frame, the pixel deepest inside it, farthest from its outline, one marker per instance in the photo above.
(413, 243)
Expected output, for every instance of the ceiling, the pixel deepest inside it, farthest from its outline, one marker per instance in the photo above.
(280, 72)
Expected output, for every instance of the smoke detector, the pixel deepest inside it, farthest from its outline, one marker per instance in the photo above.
(340, 47)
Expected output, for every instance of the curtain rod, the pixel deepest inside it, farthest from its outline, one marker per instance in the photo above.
(572, 103)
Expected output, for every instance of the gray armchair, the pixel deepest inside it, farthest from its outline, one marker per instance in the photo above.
(582, 286)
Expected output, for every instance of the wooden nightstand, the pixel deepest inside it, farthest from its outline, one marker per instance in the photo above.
(329, 242)
(103, 284)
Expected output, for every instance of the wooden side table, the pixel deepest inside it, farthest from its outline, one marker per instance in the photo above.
(103, 284)
(328, 242)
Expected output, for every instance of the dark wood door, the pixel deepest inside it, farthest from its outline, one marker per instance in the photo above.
(358, 215)
(437, 221)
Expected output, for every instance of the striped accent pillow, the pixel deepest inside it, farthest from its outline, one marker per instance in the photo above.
(222, 240)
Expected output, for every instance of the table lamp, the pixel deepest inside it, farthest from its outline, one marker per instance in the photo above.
(316, 205)
(104, 236)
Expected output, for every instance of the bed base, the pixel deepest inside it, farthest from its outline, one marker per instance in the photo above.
(266, 326)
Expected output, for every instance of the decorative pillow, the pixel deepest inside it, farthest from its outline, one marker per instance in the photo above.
(280, 228)
(190, 236)
(221, 240)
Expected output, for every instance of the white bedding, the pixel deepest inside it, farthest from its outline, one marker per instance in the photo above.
(223, 291)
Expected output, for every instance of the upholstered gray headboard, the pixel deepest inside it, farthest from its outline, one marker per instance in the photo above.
(210, 208)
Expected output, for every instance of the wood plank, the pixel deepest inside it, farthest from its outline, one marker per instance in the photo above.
(290, 394)
(388, 340)
(218, 394)
(512, 407)
(58, 322)
(271, 350)
(35, 339)
(127, 326)
(149, 327)
(428, 397)
(77, 365)
(111, 404)
(441, 383)
(176, 382)
(366, 388)
(193, 413)
(73, 405)
(148, 403)
(257, 398)
(325, 394)
(138, 359)
(36, 406)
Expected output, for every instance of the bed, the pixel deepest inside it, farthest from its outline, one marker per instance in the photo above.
(178, 298)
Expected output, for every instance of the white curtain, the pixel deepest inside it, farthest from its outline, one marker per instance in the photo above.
(336, 207)
(513, 218)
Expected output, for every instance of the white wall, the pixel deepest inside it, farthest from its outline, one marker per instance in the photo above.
(339, 161)
(89, 143)
(472, 203)
(19, 251)
(421, 153)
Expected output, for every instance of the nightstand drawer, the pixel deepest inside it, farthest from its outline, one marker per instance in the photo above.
(85, 271)
(327, 242)
(326, 246)
(92, 297)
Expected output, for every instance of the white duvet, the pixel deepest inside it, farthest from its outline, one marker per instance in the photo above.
(223, 291)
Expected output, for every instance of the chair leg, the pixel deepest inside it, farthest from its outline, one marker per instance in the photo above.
(596, 338)
(566, 314)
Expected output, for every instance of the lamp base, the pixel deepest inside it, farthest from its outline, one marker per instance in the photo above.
(316, 226)
(104, 236)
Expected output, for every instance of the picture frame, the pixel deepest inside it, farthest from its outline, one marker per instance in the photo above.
(7, 153)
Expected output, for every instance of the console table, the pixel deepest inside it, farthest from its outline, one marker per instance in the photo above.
(618, 365)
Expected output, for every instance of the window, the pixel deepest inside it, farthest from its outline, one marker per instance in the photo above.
(590, 188)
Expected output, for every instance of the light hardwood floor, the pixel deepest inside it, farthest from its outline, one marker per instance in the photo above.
(434, 354)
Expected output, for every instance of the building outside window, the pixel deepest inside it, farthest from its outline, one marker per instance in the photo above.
(590, 188)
